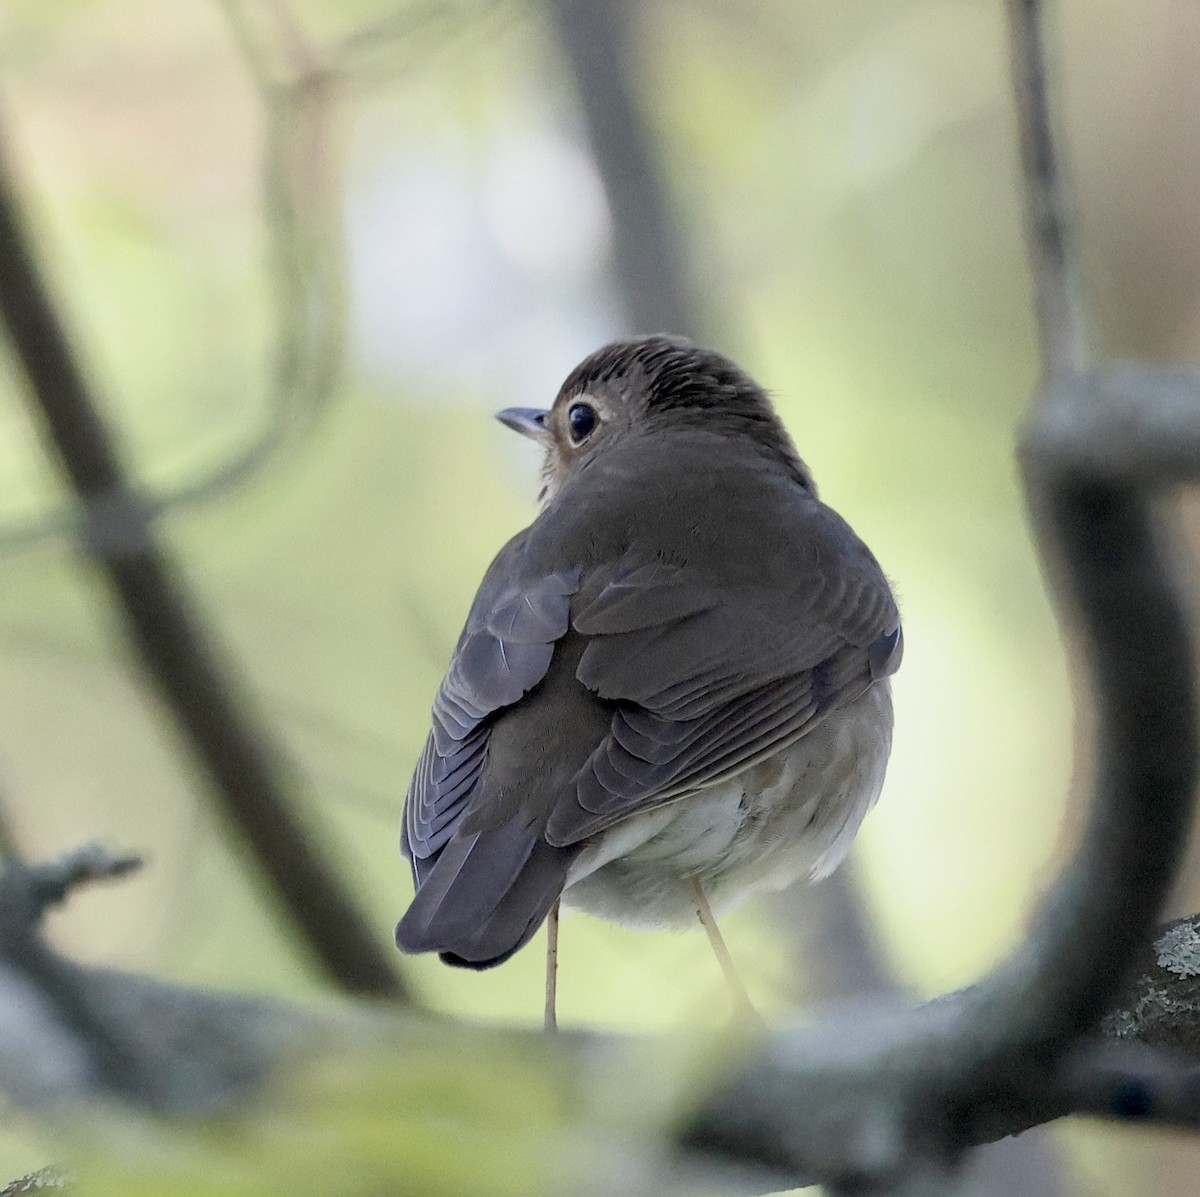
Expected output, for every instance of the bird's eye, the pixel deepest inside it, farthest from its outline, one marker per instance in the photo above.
(581, 421)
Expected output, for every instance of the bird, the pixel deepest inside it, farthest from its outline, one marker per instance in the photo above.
(672, 689)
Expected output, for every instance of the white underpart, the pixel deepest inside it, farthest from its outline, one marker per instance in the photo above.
(792, 815)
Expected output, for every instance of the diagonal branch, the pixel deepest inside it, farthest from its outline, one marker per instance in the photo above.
(248, 775)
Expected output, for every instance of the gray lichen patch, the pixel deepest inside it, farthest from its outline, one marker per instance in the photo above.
(1178, 951)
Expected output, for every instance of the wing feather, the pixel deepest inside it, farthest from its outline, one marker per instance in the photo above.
(705, 687)
(503, 653)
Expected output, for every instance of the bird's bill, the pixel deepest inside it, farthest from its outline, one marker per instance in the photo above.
(528, 421)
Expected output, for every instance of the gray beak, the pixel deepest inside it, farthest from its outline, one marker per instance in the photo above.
(528, 421)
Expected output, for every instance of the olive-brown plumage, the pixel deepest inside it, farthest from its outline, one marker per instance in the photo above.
(678, 671)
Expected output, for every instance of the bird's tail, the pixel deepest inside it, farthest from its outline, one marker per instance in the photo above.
(484, 896)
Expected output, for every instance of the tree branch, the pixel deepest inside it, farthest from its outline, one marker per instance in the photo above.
(163, 626)
(1103, 552)
(208, 1050)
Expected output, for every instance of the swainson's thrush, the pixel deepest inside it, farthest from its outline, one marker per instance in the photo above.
(672, 688)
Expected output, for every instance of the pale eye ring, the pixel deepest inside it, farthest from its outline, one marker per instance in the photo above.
(582, 421)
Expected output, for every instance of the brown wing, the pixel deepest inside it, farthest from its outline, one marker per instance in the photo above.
(707, 680)
(505, 651)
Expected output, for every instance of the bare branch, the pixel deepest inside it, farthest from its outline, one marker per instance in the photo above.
(1105, 555)
(1130, 423)
(117, 1059)
(1108, 559)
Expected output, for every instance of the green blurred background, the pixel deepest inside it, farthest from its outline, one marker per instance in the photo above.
(844, 178)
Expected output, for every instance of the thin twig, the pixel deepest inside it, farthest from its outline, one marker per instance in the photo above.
(301, 204)
(301, 207)
(120, 1061)
(1062, 333)
(417, 36)
(50, 884)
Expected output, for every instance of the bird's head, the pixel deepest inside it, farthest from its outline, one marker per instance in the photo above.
(649, 386)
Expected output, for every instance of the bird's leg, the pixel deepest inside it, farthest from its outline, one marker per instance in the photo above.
(552, 968)
(741, 999)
